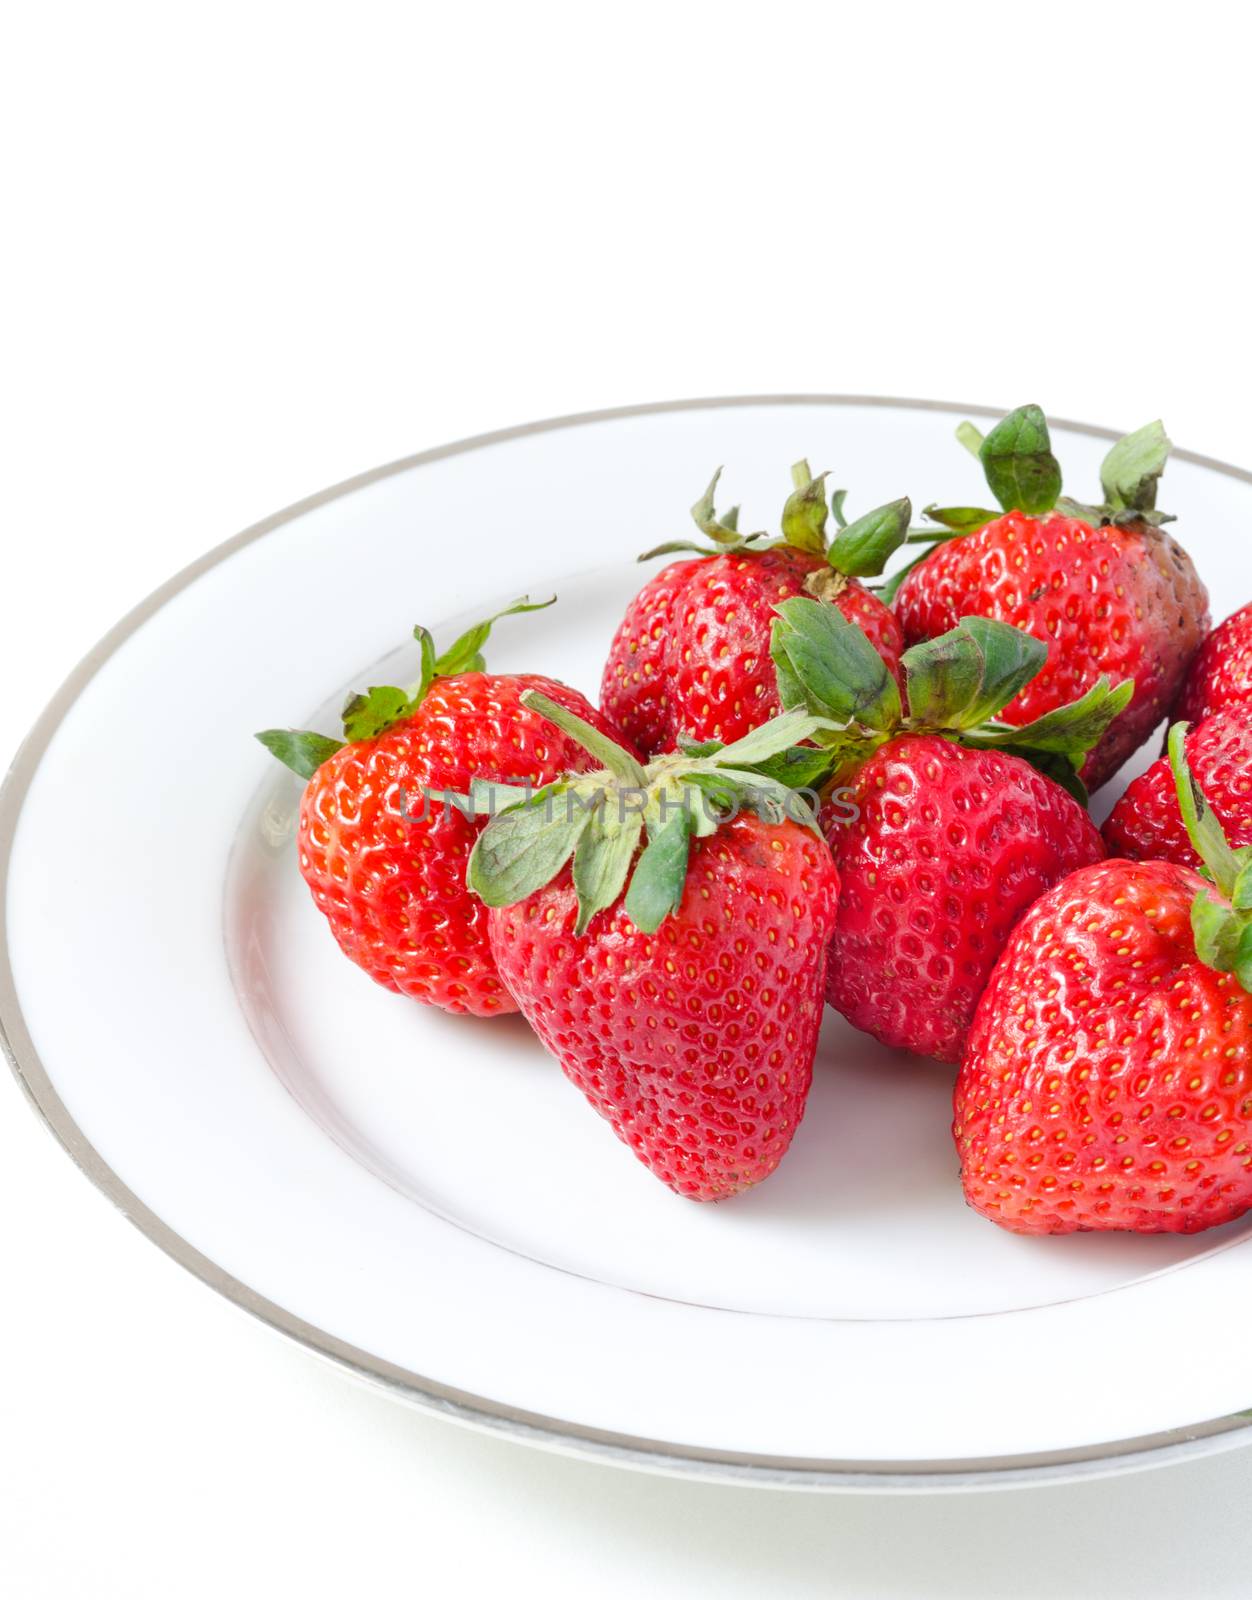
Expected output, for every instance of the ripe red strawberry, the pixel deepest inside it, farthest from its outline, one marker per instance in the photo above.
(1107, 1082)
(691, 655)
(1221, 674)
(1103, 587)
(1146, 824)
(384, 860)
(950, 846)
(942, 837)
(687, 1008)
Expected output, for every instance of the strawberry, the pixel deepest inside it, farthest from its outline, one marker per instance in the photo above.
(949, 848)
(1107, 1082)
(1146, 824)
(384, 857)
(691, 655)
(1221, 674)
(678, 985)
(1102, 586)
(942, 830)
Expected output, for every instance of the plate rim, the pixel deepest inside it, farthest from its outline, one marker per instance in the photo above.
(1203, 1438)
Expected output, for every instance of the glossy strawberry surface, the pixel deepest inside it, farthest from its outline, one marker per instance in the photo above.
(692, 653)
(695, 1042)
(1221, 674)
(1146, 824)
(392, 886)
(1125, 602)
(1107, 1082)
(946, 850)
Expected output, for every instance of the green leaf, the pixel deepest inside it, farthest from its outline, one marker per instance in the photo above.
(602, 858)
(864, 547)
(770, 800)
(723, 531)
(791, 692)
(969, 674)
(1017, 458)
(968, 435)
(1243, 957)
(959, 519)
(675, 547)
(1241, 894)
(711, 799)
(429, 666)
(1011, 659)
(447, 800)
(1216, 931)
(367, 715)
(799, 767)
(704, 512)
(302, 752)
(465, 653)
(525, 848)
(656, 885)
(836, 670)
(1203, 829)
(1132, 469)
(836, 507)
(1071, 731)
(606, 751)
(942, 678)
(804, 515)
(771, 737)
(489, 798)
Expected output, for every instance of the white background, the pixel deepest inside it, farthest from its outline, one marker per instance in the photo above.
(251, 250)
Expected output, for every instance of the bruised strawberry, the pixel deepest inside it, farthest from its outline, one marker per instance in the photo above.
(1104, 587)
(691, 655)
(1221, 674)
(677, 982)
(942, 836)
(1107, 1082)
(383, 853)
(1146, 824)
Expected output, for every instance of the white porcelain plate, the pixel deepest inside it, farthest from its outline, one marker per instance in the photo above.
(424, 1198)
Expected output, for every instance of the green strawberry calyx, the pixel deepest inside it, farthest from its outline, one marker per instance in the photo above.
(366, 715)
(955, 686)
(1024, 475)
(1221, 923)
(722, 531)
(1131, 472)
(600, 820)
(858, 549)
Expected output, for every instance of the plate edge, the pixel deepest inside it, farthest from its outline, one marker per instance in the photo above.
(472, 1410)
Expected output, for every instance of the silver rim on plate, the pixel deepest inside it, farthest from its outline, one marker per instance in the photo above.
(1202, 1438)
